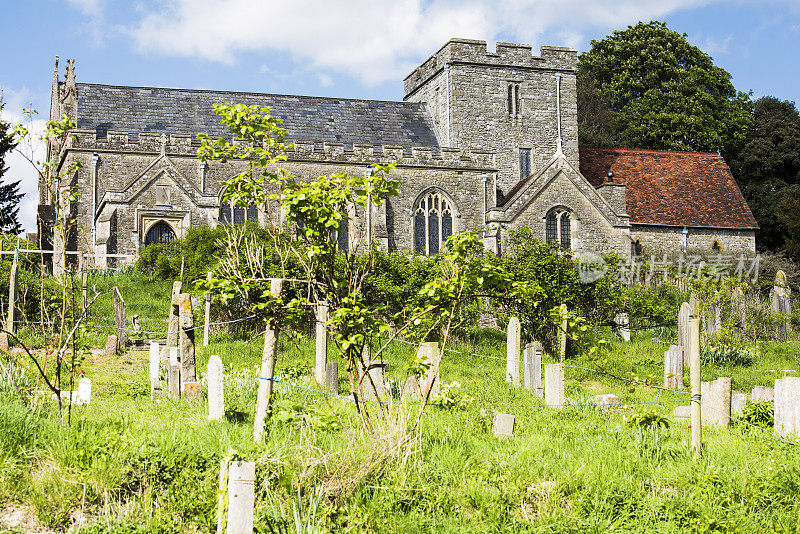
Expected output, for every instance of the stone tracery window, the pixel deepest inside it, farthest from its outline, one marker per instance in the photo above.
(433, 222)
(229, 212)
(160, 232)
(558, 228)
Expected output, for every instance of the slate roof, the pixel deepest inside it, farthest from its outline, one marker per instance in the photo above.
(189, 111)
(671, 188)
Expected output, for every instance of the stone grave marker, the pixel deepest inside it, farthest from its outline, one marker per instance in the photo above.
(241, 497)
(85, 390)
(410, 388)
(186, 338)
(739, 308)
(429, 351)
(174, 322)
(787, 406)
(216, 389)
(673, 368)
(716, 402)
(112, 344)
(533, 368)
(780, 302)
(554, 384)
(503, 425)
(713, 319)
(332, 378)
(608, 400)
(682, 413)
(622, 326)
(738, 402)
(155, 363)
(762, 394)
(513, 335)
(174, 372)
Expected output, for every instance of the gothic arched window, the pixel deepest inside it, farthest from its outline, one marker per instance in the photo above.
(229, 212)
(558, 228)
(160, 232)
(433, 222)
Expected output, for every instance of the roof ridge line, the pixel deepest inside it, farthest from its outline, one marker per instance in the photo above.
(652, 151)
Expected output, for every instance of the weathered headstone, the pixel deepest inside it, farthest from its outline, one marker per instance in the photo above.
(84, 391)
(186, 337)
(533, 368)
(174, 372)
(174, 322)
(119, 316)
(608, 400)
(12, 293)
(216, 389)
(738, 402)
(410, 389)
(4, 341)
(622, 326)
(513, 335)
(762, 394)
(716, 399)
(112, 344)
(673, 368)
(429, 351)
(332, 378)
(787, 406)
(155, 362)
(322, 342)
(682, 413)
(503, 425)
(713, 319)
(554, 384)
(241, 497)
(780, 303)
(192, 391)
(372, 381)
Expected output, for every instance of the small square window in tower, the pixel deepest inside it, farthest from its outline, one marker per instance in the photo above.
(524, 163)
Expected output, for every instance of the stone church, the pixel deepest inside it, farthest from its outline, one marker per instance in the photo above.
(482, 139)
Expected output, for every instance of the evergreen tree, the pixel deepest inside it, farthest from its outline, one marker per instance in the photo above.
(9, 193)
(664, 93)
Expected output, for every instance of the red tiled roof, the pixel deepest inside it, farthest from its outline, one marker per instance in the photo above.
(671, 188)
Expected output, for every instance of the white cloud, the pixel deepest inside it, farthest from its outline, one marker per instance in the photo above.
(373, 41)
(95, 25)
(19, 168)
(714, 46)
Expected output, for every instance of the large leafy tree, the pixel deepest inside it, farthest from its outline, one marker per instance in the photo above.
(9, 193)
(767, 169)
(664, 93)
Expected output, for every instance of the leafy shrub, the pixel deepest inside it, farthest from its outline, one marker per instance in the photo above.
(760, 414)
(724, 354)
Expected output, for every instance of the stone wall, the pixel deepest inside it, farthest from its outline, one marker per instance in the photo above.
(658, 239)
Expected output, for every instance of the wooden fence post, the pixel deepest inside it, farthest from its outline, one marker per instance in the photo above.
(322, 342)
(694, 369)
(119, 316)
(208, 313)
(268, 361)
(12, 292)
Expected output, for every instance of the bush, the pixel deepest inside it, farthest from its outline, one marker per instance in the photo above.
(760, 414)
(724, 354)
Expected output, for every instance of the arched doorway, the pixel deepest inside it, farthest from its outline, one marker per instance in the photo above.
(160, 232)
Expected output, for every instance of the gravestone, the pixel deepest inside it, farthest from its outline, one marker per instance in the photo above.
(608, 400)
(332, 378)
(533, 368)
(241, 497)
(322, 342)
(780, 303)
(503, 425)
(787, 406)
(716, 402)
(513, 335)
(375, 372)
(762, 394)
(155, 361)
(429, 351)
(554, 384)
(682, 413)
(622, 326)
(4, 341)
(713, 319)
(186, 338)
(111, 345)
(174, 322)
(192, 391)
(738, 402)
(216, 389)
(410, 389)
(84, 391)
(174, 372)
(137, 327)
(673, 368)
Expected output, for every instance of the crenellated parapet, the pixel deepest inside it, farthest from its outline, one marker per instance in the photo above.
(506, 54)
(300, 150)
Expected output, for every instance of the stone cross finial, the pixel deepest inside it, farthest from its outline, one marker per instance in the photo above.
(163, 140)
(70, 78)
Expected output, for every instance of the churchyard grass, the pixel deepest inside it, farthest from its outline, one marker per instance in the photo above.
(132, 463)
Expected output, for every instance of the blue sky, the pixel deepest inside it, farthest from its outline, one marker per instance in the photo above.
(355, 48)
